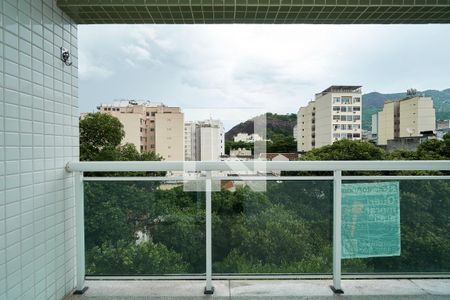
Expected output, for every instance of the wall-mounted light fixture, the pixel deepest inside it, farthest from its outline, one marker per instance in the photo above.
(65, 56)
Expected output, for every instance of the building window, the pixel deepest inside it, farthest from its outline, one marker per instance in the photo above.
(336, 108)
(356, 118)
(336, 100)
(346, 99)
(152, 129)
(356, 99)
(356, 108)
(336, 118)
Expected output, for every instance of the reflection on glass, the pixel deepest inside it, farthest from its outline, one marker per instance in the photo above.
(143, 228)
(286, 229)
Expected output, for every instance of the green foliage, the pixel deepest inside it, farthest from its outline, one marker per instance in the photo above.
(285, 229)
(129, 258)
(236, 145)
(99, 133)
(346, 150)
(100, 138)
(281, 143)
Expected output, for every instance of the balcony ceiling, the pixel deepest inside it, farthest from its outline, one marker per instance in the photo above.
(257, 11)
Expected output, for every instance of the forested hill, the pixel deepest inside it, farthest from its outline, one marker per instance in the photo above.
(276, 124)
(373, 102)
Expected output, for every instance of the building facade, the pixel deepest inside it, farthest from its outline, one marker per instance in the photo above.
(247, 138)
(442, 124)
(204, 140)
(335, 114)
(405, 118)
(150, 126)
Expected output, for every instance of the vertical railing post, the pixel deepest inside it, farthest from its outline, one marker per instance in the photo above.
(79, 232)
(209, 289)
(337, 221)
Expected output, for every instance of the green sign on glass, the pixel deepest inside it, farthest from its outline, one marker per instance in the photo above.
(370, 219)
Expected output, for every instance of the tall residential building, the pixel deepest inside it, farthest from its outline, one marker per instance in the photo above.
(405, 118)
(204, 140)
(334, 114)
(150, 126)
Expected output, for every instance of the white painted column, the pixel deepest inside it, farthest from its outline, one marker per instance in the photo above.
(337, 242)
(79, 231)
(209, 289)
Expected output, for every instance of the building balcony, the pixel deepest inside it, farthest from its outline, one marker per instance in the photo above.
(365, 228)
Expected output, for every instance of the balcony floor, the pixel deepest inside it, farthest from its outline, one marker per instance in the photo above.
(268, 289)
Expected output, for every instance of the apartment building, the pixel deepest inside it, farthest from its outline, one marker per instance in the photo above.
(334, 114)
(204, 140)
(442, 124)
(404, 118)
(150, 126)
(247, 138)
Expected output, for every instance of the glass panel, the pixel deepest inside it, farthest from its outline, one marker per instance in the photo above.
(424, 231)
(143, 228)
(275, 227)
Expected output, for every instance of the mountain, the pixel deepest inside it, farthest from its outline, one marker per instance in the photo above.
(276, 124)
(373, 103)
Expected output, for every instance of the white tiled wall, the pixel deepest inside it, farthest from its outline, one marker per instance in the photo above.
(38, 135)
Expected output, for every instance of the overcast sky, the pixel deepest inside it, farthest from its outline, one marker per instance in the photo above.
(234, 72)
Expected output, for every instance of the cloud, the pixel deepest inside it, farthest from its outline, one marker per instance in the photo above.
(273, 68)
(90, 69)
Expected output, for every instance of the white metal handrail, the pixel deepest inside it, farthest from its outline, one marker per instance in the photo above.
(337, 167)
(192, 166)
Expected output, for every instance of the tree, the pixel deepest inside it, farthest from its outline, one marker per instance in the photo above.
(346, 150)
(128, 258)
(282, 144)
(99, 133)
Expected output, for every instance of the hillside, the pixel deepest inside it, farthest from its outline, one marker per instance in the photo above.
(276, 124)
(373, 103)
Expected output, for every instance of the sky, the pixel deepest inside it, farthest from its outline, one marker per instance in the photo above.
(235, 72)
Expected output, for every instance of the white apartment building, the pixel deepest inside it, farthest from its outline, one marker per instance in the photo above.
(204, 140)
(334, 114)
(189, 140)
(240, 152)
(442, 124)
(247, 138)
(404, 118)
(150, 126)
